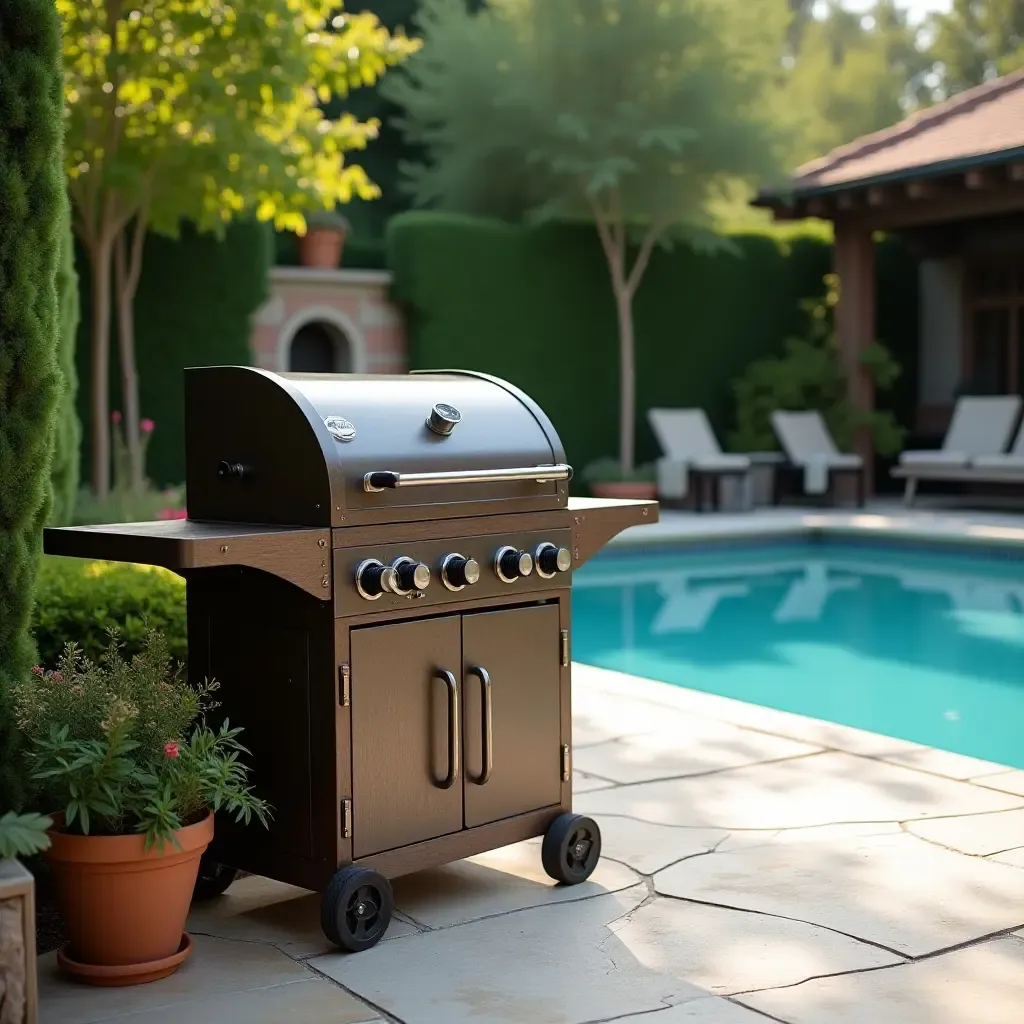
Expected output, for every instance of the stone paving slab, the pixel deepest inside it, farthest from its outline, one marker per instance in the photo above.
(219, 973)
(1005, 782)
(820, 789)
(582, 783)
(649, 848)
(982, 984)
(1015, 858)
(498, 882)
(701, 1011)
(589, 960)
(694, 747)
(977, 834)
(894, 890)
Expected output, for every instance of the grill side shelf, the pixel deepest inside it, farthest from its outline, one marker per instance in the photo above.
(595, 521)
(298, 556)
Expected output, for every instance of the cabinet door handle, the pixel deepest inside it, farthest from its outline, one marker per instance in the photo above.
(487, 731)
(453, 727)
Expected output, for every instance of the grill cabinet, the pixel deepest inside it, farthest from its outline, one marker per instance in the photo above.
(378, 574)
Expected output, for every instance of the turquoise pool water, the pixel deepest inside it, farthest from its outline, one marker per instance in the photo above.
(924, 647)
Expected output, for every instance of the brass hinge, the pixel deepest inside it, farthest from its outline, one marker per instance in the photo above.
(566, 762)
(344, 685)
(564, 636)
(346, 819)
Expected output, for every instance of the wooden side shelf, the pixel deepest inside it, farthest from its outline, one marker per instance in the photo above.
(596, 520)
(300, 556)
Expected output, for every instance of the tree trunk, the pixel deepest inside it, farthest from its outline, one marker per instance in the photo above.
(100, 258)
(126, 284)
(627, 377)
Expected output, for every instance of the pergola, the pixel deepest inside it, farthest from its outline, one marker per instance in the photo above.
(949, 179)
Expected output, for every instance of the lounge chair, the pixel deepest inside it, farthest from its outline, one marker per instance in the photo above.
(692, 451)
(810, 451)
(979, 431)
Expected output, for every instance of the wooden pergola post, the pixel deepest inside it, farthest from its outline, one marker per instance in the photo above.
(854, 263)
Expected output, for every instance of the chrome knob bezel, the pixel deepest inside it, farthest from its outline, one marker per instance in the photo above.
(525, 563)
(445, 579)
(405, 560)
(388, 579)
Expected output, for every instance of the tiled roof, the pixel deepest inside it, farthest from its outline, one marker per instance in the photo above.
(984, 121)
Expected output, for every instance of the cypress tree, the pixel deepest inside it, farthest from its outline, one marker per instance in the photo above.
(32, 200)
(64, 471)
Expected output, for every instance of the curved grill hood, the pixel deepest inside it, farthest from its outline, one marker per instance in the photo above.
(260, 448)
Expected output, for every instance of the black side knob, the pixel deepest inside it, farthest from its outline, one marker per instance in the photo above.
(511, 563)
(231, 471)
(458, 572)
(552, 560)
(373, 579)
(410, 575)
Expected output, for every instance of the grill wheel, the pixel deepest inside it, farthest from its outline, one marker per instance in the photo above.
(213, 880)
(571, 848)
(356, 909)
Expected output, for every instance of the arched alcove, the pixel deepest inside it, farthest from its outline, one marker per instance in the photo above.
(319, 347)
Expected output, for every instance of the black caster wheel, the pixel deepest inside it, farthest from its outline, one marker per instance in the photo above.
(213, 880)
(571, 848)
(356, 908)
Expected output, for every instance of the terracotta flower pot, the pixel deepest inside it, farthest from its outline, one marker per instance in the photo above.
(625, 490)
(124, 906)
(321, 247)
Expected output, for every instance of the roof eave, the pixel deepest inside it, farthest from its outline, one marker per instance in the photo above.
(787, 195)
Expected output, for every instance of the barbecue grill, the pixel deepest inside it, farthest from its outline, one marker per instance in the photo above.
(378, 574)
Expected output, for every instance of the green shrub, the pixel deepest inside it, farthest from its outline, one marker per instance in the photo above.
(32, 208)
(809, 376)
(124, 505)
(66, 450)
(80, 601)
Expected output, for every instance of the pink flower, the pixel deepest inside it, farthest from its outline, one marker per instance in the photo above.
(115, 417)
(38, 670)
(171, 749)
(146, 426)
(172, 513)
(56, 677)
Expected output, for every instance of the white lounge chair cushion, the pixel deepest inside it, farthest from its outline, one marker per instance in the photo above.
(684, 434)
(722, 463)
(982, 424)
(1010, 461)
(934, 458)
(817, 469)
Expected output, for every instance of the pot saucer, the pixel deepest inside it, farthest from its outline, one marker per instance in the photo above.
(125, 974)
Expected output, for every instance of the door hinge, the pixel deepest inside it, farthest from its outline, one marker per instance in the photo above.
(344, 685)
(566, 762)
(346, 819)
(564, 637)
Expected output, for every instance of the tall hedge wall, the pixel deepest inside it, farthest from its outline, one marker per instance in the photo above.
(534, 306)
(32, 209)
(194, 307)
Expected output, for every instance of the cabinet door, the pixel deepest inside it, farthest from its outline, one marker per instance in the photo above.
(402, 790)
(515, 655)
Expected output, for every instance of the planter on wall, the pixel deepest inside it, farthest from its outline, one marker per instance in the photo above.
(125, 906)
(322, 246)
(18, 993)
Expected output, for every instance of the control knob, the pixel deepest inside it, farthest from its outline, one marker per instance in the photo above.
(457, 571)
(511, 563)
(410, 575)
(551, 560)
(373, 578)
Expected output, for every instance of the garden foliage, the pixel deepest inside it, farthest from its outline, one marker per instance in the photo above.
(32, 206)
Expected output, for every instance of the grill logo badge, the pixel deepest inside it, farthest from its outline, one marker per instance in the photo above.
(341, 429)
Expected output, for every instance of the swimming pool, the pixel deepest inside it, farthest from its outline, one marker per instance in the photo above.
(917, 645)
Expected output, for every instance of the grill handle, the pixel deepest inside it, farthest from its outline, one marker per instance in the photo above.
(453, 727)
(487, 733)
(389, 480)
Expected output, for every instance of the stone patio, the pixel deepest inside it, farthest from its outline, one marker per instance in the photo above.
(757, 866)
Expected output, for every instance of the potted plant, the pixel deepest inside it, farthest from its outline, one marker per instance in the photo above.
(122, 751)
(21, 835)
(324, 240)
(608, 479)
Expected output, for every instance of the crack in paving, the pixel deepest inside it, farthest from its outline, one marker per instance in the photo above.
(905, 826)
(380, 1011)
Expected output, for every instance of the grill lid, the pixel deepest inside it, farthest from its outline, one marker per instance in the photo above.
(346, 450)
